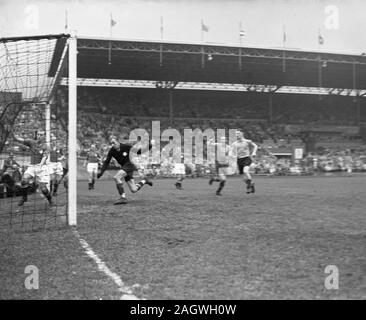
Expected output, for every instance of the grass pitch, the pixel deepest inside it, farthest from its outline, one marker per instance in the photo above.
(191, 244)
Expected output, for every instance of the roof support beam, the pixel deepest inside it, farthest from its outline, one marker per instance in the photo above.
(124, 83)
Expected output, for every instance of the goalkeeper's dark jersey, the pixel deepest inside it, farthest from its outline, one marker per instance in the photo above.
(122, 156)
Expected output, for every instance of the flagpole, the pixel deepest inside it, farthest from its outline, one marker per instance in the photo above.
(66, 21)
(202, 49)
(240, 33)
(240, 62)
(161, 44)
(320, 71)
(110, 41)
(284, 49)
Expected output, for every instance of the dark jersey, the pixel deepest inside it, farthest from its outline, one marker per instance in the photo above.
(54, 155)
(8, 165)
(92, 157)
(122, 156)
(37, 148)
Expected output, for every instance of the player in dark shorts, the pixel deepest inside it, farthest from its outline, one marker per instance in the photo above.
(244, 162)
(244, 150)
(121, 153)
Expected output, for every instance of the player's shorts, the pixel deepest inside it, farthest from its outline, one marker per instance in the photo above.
(243, 162)
(92, 167)
(129, 168)
(179, 168)
(39, 173)
(224, 171)
(55, 168)
(222, 168)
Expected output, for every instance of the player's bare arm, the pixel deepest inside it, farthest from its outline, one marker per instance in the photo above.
(255, 148)
(105, 164)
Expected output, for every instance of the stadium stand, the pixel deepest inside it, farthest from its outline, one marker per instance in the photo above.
(330, 128)
(106, 111)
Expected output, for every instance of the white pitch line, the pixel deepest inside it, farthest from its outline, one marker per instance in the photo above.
(126, 291)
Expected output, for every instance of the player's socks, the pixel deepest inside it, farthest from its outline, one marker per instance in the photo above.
(221, 186)
(120, 189)
(249, 183)
(55, 187)
(22, 200)
(24, 193)
(178, 185)
(142, 183)
(213, 180)
(47, 195)
(89, 186)
(148, 182)
(252, 190)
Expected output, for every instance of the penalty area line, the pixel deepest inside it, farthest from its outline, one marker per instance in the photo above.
(126, 291)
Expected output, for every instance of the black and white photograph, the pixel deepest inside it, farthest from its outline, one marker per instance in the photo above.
(203, 151)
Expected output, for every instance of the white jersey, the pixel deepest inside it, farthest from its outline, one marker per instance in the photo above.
(242, 148)
(222, 153)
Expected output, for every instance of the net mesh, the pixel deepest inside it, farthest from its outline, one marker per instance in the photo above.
(33, 135)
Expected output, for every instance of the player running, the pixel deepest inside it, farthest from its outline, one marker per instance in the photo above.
(91, 163)
(222, 163)
(121, 153)
(241, 148)
(37, 171)
(178, 168)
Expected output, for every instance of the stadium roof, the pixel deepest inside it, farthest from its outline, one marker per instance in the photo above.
(211, 63)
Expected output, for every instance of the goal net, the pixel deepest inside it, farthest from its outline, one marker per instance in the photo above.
(35, 132)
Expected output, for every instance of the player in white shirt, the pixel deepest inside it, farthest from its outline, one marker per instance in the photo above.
(244, 150)
(222, 163)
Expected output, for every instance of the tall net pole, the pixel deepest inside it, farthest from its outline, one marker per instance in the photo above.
(48, 123)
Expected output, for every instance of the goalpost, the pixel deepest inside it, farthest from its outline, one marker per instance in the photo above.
(72, 209)
(35, 107)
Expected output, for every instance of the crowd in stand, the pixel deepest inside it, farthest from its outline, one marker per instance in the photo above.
(104, 112)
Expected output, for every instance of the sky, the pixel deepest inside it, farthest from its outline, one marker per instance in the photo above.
(341, 23)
